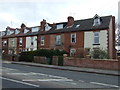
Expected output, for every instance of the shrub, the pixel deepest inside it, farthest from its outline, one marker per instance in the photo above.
(29, 55)
(99, 54)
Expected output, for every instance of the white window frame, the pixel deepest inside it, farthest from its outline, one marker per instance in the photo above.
(17, 31)
(42, 41)
(47, 27)
(96, 37)
(59, 26)
(35, 29)
(4, 43)
(58, 40)
(96, 22)
(73, 34)
(20, 41)
(26, 30)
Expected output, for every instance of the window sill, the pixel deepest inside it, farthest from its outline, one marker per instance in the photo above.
(96, 44)
(58, 45)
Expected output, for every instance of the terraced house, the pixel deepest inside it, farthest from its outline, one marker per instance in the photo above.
(73, 36)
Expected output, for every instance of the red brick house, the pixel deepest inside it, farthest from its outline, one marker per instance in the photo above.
(73, 36)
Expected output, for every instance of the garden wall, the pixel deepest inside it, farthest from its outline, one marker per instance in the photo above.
(91, 63)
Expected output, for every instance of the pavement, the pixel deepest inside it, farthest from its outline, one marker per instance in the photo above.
(69, 68)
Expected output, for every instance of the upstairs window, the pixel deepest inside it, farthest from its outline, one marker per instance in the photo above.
(20, 42)
(42, 40)
(35, 29)
(17, 31)
(97, 21)
(3, 33)
(47, 27)
(26, 30)
(9, 32)
(4, 43)
(59, 26)
(58, 40)
(96, 37)
(73, 38)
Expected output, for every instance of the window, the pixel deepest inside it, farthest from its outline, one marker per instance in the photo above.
(96, 22)
(8, 32)
(3, 33)
(96, 37)
(59, 26)
(20, 42)
(47, 27)
(26, 30)
(72, 52)
(35, 29)
(4, 43)
(73, 38)
(42, 40)
(58, 40)
(17, 31)
(12, 42)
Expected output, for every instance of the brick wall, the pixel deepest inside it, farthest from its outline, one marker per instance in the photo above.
(102, 64)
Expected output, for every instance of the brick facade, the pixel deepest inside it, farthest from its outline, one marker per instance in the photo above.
(78, 27)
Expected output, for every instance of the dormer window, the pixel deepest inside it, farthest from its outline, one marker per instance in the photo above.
(60, 26)
(17, 31)
(97, 21)
(9, 32)
(47, 27)
(3, 33)
(35, 29)
(26, 30)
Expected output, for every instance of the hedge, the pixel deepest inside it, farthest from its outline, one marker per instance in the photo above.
(29, 55)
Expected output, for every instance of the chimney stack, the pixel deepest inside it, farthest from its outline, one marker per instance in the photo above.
(22, 27)
(70, 21)
(43, 24)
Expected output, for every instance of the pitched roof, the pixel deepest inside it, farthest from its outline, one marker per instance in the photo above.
(85, 25)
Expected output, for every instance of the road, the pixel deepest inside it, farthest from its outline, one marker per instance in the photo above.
(22, 76)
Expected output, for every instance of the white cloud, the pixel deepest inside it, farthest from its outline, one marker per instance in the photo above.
(31, 12)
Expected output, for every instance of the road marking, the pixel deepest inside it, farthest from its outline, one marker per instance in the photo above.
(20, 82)
(32, 73)
(81, 80)
(104, 84)
(8, 68)
(47, 80)
(73, 83)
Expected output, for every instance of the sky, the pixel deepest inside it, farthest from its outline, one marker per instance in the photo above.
(32, 12)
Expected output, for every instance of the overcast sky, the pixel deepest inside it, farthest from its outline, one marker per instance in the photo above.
(31, 12)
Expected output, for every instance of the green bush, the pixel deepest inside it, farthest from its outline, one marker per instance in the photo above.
(29, 55)
(99, 54)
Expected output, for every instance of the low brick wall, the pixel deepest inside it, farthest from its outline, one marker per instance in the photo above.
(39, 59)
(10, 57)
(101, 64)
(55, 60)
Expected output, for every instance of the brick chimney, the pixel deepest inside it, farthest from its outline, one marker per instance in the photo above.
(22, 27)
(43, 24)
(70, 21)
